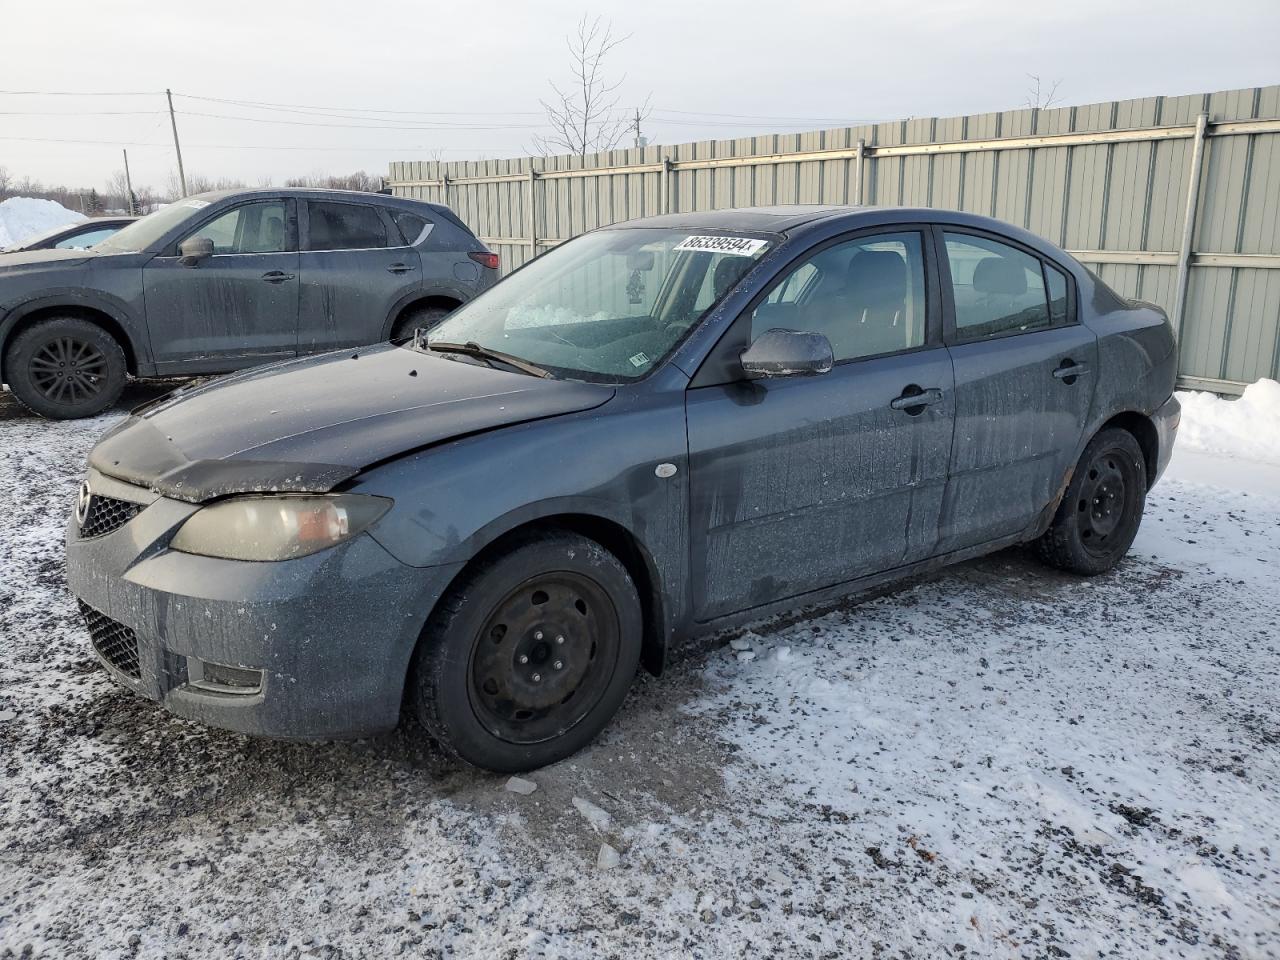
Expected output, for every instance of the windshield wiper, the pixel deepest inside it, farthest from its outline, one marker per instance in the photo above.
(473, 349)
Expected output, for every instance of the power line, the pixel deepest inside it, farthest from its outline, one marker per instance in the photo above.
(351, 126)
(236, 146)
(300, 106)
(77, 113)
(81, 93)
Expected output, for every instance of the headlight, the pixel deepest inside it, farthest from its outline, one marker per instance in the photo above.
(277, 527)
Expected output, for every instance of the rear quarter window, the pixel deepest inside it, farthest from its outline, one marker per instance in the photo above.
(410, 225)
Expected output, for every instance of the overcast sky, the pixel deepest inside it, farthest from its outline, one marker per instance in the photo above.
(481, 68)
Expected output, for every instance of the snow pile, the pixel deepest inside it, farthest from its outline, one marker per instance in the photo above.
(1248, 428)
(22, 217)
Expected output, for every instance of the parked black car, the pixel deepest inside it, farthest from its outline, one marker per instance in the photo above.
(226, 280)
(656, 430)
(72, 236)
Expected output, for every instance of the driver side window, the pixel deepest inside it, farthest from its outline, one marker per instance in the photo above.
(866, 296)
(251, 228)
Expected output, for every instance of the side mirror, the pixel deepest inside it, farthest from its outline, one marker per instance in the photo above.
(194, 249)
(787, 353)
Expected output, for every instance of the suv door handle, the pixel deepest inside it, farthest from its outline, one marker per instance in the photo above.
(399, 268)
(914, 400)
(1068, 370)
(277, 276)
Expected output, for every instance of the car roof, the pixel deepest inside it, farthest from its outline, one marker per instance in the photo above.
(363, 196)
(794, 218)
(774, 219)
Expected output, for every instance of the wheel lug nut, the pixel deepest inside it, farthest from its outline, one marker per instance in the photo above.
(560, 639)
(559, 664)
(537, 635)
(523, 658)
(537, 678)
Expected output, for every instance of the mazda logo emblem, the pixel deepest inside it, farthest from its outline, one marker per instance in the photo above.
(82, 503)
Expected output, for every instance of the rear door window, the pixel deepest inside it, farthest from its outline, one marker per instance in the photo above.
(344, 226)
(997, 289)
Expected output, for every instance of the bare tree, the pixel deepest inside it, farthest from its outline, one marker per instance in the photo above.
(585, 117)
(1042, 99)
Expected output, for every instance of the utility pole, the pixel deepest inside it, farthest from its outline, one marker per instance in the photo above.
(128, 186)
(636, 124)
(182, 176)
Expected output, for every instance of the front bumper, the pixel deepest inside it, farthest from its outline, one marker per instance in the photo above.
(1166, 420)
(329, 637)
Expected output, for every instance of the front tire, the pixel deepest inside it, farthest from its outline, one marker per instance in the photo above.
(530, 655)
(65, 368)
(1100, 513)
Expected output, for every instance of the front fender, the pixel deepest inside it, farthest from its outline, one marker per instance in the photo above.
(455, 499)
(132, 327)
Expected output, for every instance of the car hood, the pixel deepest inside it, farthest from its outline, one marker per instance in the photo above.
(38, 258)
(308, 425)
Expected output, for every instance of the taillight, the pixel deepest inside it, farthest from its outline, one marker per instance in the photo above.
(485, 259)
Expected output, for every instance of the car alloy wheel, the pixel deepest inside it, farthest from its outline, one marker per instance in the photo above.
(68, 370)
(544, 657)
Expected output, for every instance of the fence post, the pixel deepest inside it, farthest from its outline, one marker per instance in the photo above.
(860, 151)
(444, 189)
(1189, 225)
(666, 185)
(533, 211)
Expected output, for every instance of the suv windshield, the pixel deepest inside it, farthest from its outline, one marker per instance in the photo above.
(608, 306)
(143, 233)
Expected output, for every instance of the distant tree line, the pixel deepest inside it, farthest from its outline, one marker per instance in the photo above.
(115, 198)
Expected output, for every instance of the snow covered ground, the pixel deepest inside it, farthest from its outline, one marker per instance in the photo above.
(998, 761)
(22, 217)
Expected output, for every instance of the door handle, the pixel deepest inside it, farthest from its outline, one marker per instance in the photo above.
(914, 400)
(1068, 370)
(399, 268)
(277, 276)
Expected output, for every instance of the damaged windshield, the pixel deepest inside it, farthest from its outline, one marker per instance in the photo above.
(607, 306)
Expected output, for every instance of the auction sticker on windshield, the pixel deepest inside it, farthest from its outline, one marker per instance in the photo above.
(737, 246)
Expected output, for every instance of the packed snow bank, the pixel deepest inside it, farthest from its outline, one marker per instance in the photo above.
(1247, 429)
(22, 217)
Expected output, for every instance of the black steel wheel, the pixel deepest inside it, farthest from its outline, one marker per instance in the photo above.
(65, 367)
(530, 653)
(1101, 510)
(544, 657)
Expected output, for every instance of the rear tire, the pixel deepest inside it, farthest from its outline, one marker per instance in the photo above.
(65, 368)
(1101, 511)
(530, 654)
(423, 318)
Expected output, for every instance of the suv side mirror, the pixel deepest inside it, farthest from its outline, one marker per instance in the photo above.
(787, 353)
(194, 249)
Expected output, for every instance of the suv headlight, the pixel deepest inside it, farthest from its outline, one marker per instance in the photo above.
(279, 527)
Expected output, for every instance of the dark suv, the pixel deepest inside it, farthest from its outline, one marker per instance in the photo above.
(220, 281)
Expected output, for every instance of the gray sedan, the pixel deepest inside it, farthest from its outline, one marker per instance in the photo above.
(652, 432)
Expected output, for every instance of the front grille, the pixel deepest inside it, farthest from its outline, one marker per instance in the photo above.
(106, 514)
(115, 643)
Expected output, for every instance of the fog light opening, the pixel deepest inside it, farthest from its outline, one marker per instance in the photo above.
(223, 678)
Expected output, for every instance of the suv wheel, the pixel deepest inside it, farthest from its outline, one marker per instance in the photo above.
(423, 318)
(65, 367)
(530, 655)
(1100, 513)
